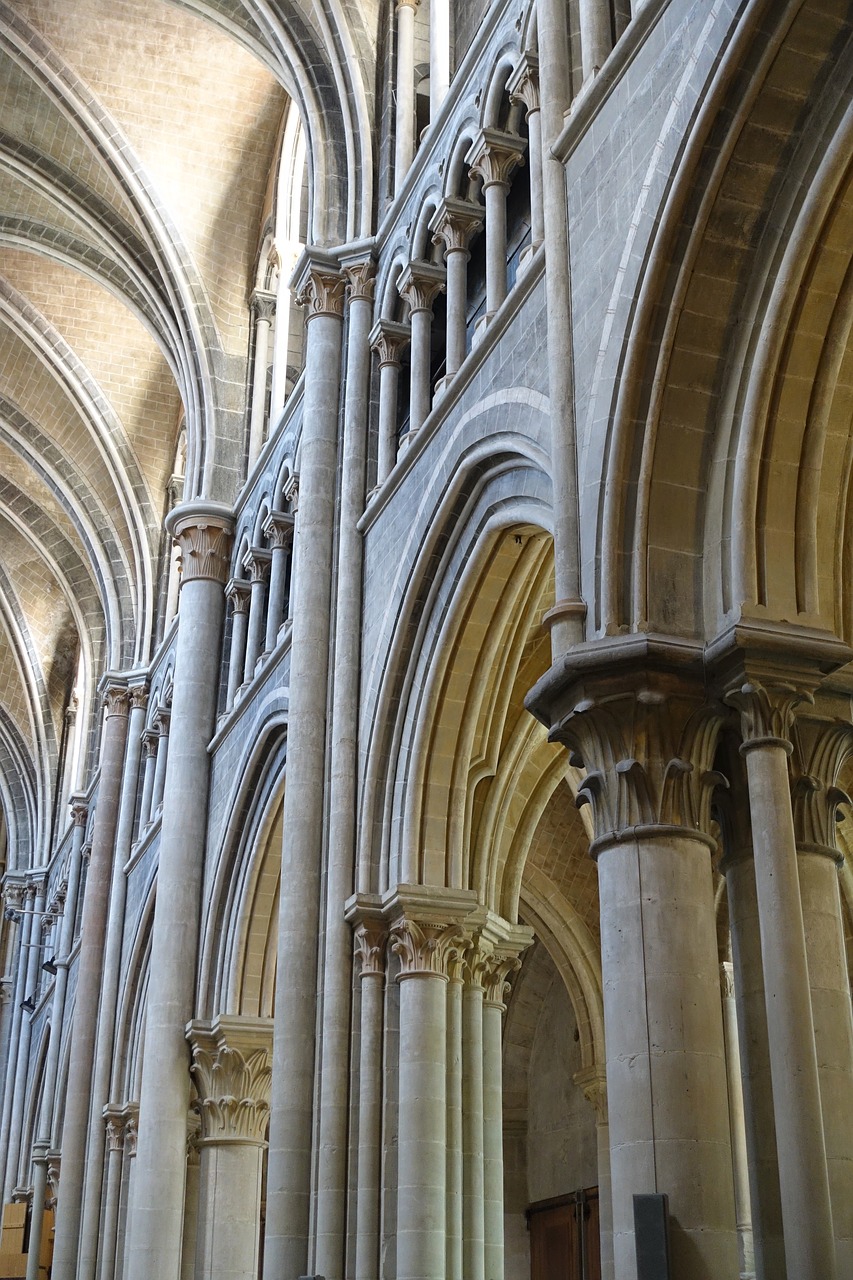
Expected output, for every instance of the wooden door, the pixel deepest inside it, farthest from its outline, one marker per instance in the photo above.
(564, 1237)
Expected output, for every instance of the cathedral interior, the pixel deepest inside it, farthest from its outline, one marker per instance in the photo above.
(426, 639)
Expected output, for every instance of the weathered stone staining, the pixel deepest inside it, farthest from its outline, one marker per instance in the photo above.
(426, 731)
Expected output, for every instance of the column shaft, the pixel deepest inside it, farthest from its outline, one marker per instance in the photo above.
(455, 1262)
(89, 979)
(421, 1150)
(112, 1198)
(37, 1216)
(457, 296)
(369, 1127)
(259, 386)
(439, 54)
(494, 194)
(291, 1122)
(203, 531)
(19, 992)
(228, 1207)
(737, 1124)
(150, 740)
(100, 1083)
(389, 378)
(22, 1065)
(404, 146)
(596, 38)
(472, 1132)
(420, 398)
(237, 592)
(343, 800)
(659, 961)
(493, 1146)
(803, 1178)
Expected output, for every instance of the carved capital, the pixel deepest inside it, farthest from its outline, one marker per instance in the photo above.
(360, 280)
(79, 812)
(138, 695)
(205, 552)
(162, 720)
(766, 712)
(523, 84)
(232, 1067)
(263, 305)
(116, 1123)
(54, 1165)
(727, 980)
(256, 562)
(426, 949)
(821, 747)
(116, 702)
(238, 593)
(496, 974)
(131, 1129)
(278, 529)
(420, 283)
(13, 894)
(593, 1082)
(322, 293)
(648, 753)
(370, 941)
(408, 4)
(454, 223)
(388, 339)
(150, 738)
(494, 155)
(290, 491)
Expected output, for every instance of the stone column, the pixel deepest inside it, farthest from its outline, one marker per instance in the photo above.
(278, 528)
(14, 893)
(492, 157)
(473, 1215)
(498, 967)
(370, 943)
(189, 1243)
(203, 531)
(237, 593)
(256, 562)
(754, 1051)
(131, 1134)
(439, 54)
(424, 950)
(31, 960)
(737, 1125)
(331, 1176)
(162, 722)
(150, 739)
(90, 967)
(231, 1068)
(596, 37)
(454, 1228)
(290, 493)
(263, 310)
(103, 1062)
(45, 1134)
(822, 743)
(523, 87)
(291, 1121)
(454, 223)
(40, 1150)
(116, 1120)
(404, 136)
(566, 619)
(420, 283)
(642, 730)
(592, 1081)
(388, 339)
(766, 714)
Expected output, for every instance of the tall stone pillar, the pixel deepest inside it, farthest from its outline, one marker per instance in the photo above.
(162, 723)
(439, 54)
(257, 563)
(493, 157)
(523, 87)
(388, 339)
(453, 225)
(753, 1047)
(150, 738)
(454, 1229)
(291, 1120)
(116, 1119)
(596, 38)
(231, 1068)
(593, 1082)
(237, 592)
(473, 1213)
(566, 619)
(643, 731)
(203, 531)
(89, 978)
(823, 741)
(370, 942)
(424, 950)
(36, 896)
(263, 310)
(191, 1198)
(420, 283)
(103, 1065)
(737, 1124)
(404, 136)
(343, 801)
(766, 714)
(498, 967)
(14, 893)
(278, 528)
(45, 1135)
